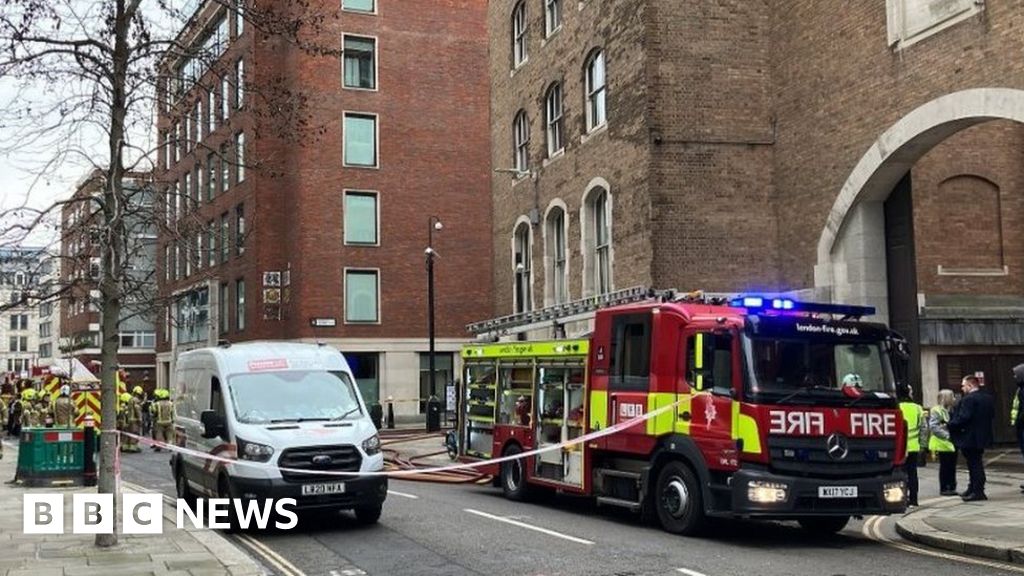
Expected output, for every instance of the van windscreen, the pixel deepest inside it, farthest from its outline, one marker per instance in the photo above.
(297, 396)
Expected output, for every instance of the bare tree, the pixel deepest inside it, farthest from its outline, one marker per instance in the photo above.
(101, 67)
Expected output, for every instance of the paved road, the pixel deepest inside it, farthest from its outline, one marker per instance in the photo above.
(430, 529)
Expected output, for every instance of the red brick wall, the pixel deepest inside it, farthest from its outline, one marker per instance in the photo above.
(432, 103)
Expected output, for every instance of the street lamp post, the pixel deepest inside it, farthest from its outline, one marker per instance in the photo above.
(433, 404)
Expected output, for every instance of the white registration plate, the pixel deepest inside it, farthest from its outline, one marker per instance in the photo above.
(837, 492)
(319, 489)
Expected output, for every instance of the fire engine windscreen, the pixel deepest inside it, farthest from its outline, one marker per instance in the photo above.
(787, 364)
(297, 396)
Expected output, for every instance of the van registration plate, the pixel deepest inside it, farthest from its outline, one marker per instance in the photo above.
(837, 492)
(320, 489)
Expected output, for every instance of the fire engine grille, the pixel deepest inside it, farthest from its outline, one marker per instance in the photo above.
(810, 457)
(342, 458)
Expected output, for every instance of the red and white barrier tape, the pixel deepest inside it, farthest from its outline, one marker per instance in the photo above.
(400, 473)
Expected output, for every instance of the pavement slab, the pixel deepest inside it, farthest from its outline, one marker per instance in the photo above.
(990, 529)
(173, 553)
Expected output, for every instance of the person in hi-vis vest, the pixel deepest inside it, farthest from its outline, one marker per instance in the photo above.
(912, 415)
(941, 444)
(163, 417)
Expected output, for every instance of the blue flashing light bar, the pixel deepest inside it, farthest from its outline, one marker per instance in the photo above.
(760, 303)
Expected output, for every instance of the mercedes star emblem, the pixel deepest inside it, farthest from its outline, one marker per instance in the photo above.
(838, 447)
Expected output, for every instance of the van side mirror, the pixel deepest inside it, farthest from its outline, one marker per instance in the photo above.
(213, 424)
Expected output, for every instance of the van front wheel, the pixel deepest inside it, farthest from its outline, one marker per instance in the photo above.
(367, 515)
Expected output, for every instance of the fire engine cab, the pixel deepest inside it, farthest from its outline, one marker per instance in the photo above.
(773, 409)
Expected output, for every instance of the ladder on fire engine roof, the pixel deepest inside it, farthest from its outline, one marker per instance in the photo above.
(558, 315)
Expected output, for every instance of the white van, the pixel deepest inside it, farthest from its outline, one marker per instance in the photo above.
(287, 405)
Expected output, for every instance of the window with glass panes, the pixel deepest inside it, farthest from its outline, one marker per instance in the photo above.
(361, 296)
(359, 5)
(600, 224)
(360, 140)
(239, 83)
(225, 169)
(521, 263)
(360, 62)
(240, 304)
(553, 112)
(225, 238)
(360, 218)
(557, 251)
(240, 229)
(522, 141)
(222, 305)
(364, 366)
(240, 156)
(552, 16)
(211, 243)
(211, 176)
(595, 86)
(519, 33)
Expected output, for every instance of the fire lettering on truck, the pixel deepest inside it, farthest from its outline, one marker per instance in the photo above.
(796, 423)
(862, 424)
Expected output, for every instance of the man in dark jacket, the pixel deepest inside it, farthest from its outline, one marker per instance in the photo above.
(1017, 408)
(971, 428)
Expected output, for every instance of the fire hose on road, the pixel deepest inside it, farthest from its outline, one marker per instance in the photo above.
(394, 461)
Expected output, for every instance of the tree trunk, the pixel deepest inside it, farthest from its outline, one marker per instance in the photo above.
(112, 264)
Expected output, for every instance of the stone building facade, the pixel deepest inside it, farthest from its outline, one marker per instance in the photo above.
(848, 155)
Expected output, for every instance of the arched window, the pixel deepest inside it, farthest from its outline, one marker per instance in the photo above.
(519, 34)
(557, 272)
(553, 118)
(522, 255)
(595, 90)
(597, 242)
(521, 128)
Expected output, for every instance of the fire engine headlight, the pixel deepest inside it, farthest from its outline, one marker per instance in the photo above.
(894, 492)
(766, 492)
(253, 451)
(371, 445)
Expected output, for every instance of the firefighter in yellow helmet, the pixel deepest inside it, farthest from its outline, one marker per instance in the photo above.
(163, 417)
(124, 410)
(28, 408)
(64, 409)
(134, 420)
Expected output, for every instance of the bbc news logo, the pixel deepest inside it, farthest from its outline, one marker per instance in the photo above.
(143, 513)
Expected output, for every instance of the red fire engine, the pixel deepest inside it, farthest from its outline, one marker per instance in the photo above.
(777, 409)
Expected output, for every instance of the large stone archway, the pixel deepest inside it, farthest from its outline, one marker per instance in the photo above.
(851, 249)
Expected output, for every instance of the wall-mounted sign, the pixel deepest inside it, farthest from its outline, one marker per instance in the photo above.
(324, 322)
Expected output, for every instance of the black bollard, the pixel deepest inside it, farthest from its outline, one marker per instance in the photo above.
(391, 415)
(89, 449)
(433, 414)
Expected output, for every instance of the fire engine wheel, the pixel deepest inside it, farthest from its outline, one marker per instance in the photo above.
(824, 525)
(513, 476)
(678, 500)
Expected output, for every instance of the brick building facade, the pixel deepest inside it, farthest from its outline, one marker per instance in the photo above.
(79, 277)
(351, 141)
(750, 146)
